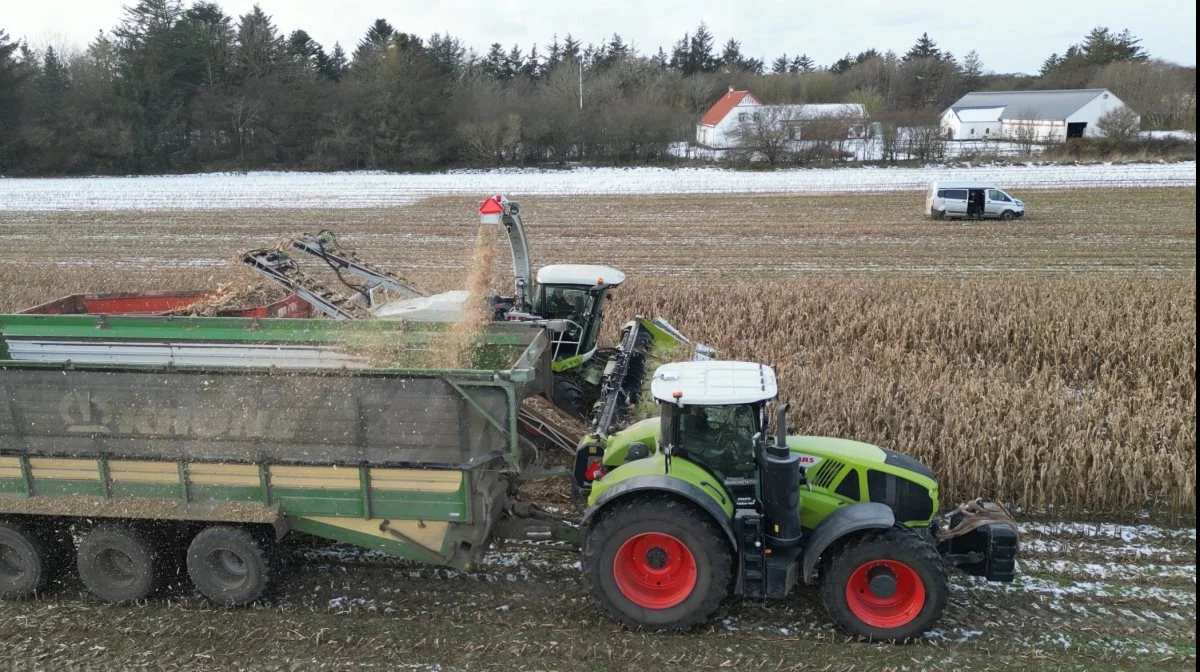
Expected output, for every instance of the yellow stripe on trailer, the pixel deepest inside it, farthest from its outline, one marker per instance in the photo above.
(320, 478)
(143, 471)
(10, 467)
(416, 480)
(207, 473)
(430, 534)
(62, 469)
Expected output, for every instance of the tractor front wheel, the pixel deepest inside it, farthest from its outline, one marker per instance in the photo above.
(656, 563)
(888, 586)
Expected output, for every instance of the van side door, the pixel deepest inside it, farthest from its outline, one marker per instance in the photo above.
(956, 202)
(995, 203)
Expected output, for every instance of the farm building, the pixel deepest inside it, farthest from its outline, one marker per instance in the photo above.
(718, 128)
(1043, 115)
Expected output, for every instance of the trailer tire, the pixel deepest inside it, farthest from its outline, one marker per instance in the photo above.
(231, 565)
(656, 563)
(911, 593)
(25, 561)
(119, 563)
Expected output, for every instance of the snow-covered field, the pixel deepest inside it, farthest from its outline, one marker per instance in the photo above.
(376, 189)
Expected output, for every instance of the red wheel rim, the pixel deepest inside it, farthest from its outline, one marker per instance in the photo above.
(885, 611)
(655, 570)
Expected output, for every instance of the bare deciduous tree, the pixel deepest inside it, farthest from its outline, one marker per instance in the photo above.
(1119, 123)
(769, 132)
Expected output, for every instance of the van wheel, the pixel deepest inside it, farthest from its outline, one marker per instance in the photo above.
(119, 563)
(1007, 215)
(230, 566)
(938, 214)
(946, 216)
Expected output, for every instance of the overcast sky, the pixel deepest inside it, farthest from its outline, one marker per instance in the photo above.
(1010, 36)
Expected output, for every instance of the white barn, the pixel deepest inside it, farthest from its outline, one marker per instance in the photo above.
(718, 127)
(1044, 115)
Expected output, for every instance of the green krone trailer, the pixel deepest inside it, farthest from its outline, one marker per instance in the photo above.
(230, 433)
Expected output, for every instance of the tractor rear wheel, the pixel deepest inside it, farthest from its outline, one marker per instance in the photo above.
(656, 563)
(886, 586)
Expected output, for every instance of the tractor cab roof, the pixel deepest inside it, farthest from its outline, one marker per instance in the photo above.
(713, 383)
(579, 274)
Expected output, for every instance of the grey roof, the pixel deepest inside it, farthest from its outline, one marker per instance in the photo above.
(1039, 105)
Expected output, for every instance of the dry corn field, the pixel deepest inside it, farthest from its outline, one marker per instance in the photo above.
(1049, 362)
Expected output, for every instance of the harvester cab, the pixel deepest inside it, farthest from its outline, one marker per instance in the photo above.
(700, 502)
(573, 293)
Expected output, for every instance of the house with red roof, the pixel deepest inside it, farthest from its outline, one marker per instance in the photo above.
(718, 128)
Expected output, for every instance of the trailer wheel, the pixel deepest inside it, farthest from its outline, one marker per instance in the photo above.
(656, 563)
(888, 586)
(119, 563)
(25, 562)
(230, 565)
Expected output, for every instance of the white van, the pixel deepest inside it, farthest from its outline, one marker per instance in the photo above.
(971, 200)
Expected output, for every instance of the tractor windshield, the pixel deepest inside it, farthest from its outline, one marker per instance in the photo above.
(721, 438)
(578, 306)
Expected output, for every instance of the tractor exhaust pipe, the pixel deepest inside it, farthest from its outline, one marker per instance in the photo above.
(781, 488)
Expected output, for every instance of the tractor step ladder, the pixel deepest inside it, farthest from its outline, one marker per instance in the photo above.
(752, 558)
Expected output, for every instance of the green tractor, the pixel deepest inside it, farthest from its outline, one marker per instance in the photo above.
(695, 504)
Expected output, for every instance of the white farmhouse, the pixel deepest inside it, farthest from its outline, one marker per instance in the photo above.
(718, 127)
(1042, 115)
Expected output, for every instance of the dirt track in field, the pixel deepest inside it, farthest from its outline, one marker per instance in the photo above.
(1108, 597)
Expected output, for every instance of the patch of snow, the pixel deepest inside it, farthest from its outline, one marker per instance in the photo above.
(1174, 135)
(277, 190)
(1126, 533)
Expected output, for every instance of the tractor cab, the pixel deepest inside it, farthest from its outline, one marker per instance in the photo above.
(575, 294)
(713, 414)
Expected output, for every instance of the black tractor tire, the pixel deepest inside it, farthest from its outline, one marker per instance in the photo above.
(232, 565)
(26, 562)
(120, 563)
(918, 586)
(568, 396)
(1007, 215)
(632, 537)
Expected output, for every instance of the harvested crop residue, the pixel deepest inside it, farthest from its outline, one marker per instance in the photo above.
(569, 424)
(244, 289)
(454, 351)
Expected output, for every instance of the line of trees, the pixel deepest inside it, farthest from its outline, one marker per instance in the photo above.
(175, 88)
